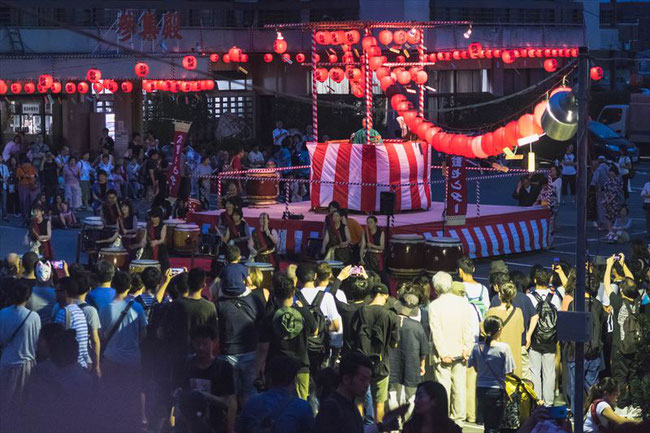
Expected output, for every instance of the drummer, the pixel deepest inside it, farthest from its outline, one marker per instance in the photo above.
(373, 242)
(128, 228)
(225, 220)
(181, 208)
(263, 242)
(155, 248)
(237, 233)
(110, 215)
(40, 233)
(336, 245)
(333, 206)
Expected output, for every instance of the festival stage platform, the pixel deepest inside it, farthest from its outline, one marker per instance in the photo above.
(498, 230)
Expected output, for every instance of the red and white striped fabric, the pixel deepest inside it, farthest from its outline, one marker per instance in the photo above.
(356, 169)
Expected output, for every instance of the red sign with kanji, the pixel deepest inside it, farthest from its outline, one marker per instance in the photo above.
(148, 26)
(456, 208)
(171, 28)
(126, 26)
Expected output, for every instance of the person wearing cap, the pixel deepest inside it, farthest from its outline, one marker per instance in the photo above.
(43, 296)
(407, 361)
(374, 330)
(450, 320)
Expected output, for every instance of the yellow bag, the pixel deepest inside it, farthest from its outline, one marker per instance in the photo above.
(528, 398)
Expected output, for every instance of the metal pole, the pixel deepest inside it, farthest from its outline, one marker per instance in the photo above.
(581, 225)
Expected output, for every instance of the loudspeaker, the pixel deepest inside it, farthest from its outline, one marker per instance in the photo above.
(387, 202)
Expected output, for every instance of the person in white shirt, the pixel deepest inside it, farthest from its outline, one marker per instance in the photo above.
(569, 172)
(645, 195)
(4, 179)
(624, 164)
(478, 297)
(12, 147)
(255, 157)
(279, 133)
(602, 400)
(450, 320)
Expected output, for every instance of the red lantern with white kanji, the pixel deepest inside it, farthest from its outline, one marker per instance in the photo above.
(126, 86)
(93, 75)
(70, 87)
(29, 87)
(268, 57)
(189, 63)
(214, 57)
(83, 87)
(141, 69)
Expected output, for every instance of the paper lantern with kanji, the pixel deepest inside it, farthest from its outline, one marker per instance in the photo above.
(268, 57)
(348, 57)
(338, 37)
(508, 57)
(357, 91)
(226, 58)
(300, 57)
(16, 87)
(70, 87)
(126, 86)
(280, 45)
(175, 86)
(56, 87)
(189, 63)
(93, 75)
(186, 86)
(321, 75)
(98, 87)
(376, 62)
(353, 74)
(352, 37)
(596, 73)
(323, 38)
(3, 87)
(45, 80)
(83, 87)
(333, 58)
(385, 37)
(286, 57)
(399, 37)
(337, 74)
(148, 86)
(197, 86)
(41, 89)
(110, 85)
(141, 69)
(235, 53)
(214, 57)
(550, 65)
(367, 42)
(29, 87)
(413, 36)
(382, 72)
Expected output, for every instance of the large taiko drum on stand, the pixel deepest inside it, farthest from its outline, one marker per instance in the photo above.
(137, 266)
(186, 238)
(442, 254)
(91, 232)
(262, 188)
(406, 255)
(118, 257)
(171, 225)
(267, 274)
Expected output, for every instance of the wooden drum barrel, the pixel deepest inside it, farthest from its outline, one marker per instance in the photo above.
(91, 232)
(171, 225)
(262, 188)
(186, 238)
(117, 256)
(442, 254)
(406, 255)
(137, 266)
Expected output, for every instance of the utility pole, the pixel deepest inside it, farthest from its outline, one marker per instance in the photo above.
(581, 226)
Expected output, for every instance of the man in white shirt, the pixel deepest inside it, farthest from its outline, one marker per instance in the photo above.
(12, 147)
(569, 172)
(279, 133)
(255, 157)
(450, 320)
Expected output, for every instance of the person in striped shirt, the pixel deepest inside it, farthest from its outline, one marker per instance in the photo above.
(71, 316)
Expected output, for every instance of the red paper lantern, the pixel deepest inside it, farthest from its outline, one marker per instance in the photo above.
(338, 37)
(574, 52)
(547, 52)
(440, 56)
(148, 86)
(404, 77)
(457, 145)
(110, 85)
(357, 91)
(175, 86)
(404, 106)
(3, 87)
(516, 53)
(396, 99)
(29, 87)
(235, 53)
(400, 59)
(197, 86)
(464, 54)
(413, 36)
(45, 80)
(214, 57)
(413, 71)
(456, 55)
(41, 89)
(348, 57)
(385, 37)
(226, 58)
(539, 53)
(374, 51)
(596, 73)
(409, 115)
(444, 142)
(433, 57)
(352, 37)
(367, 42)
(538, 112)
(333, 58)
(268, 57)
(323, 38)
(300, 57)
(208, 84)
(512, 134)
(93, 75)
(422, 129)
(475, 49)
(431, 133)
(421, 78)
(141, 69)
(286, 57)
(280, 45)
(56, 87)
(498, 141)
(508, 57)
(83, 87)
(316, 57)
(488, 54)
(243, 58)
(554, 52)
(486, 144)
(353, 74)
(70, 87)
(386, 82)
(16, 87)
(382, 72)
(126, 86)
(497, 54)
(337, 74)
(376, 63)
(98, 87)
(399, 37)
(550, 65)
(321, 75)
(527, 125)
(189, 63)
(531, 52)
(186, 86)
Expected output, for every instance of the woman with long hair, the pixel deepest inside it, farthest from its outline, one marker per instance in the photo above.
(600, 405)
(513, 323)
(430, 411)
(493, 360)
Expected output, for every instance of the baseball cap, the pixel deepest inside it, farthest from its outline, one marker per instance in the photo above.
(498, 266)
(379, 288)
(43, 271)
(287, 323)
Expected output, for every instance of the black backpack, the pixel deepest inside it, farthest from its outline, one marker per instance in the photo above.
(631, 332)
(593, 347)
(369, 339)
(318, 343)
(545, 336)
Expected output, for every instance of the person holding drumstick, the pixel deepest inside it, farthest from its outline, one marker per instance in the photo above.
(263, 242)
(128, 229)
(372, 246)
(155, 248)
(40, 233)
(226, 221)
(336, 245)
(237, 233)
(110, 215)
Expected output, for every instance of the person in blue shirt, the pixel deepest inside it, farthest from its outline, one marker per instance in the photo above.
(278, 406)
(283, 156)
(103, 294)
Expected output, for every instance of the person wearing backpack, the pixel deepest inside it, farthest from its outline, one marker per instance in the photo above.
(542, 336)
(277, 410)
(286, 331)
(375, 329)
(627, 334)
(600, 405)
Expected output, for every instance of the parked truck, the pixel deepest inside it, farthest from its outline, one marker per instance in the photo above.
(631, 121)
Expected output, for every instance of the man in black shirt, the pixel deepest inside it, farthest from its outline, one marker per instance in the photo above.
(49, 176)
(286, 329)
(375, 330)
(151, 169)
(356, 289)
(525, 193)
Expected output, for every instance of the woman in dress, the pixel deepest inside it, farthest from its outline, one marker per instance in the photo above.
(40, 233)
(372, 246)
(336, 245)
(264, 241)
(237, 234)
(155, 248)
(612, 196)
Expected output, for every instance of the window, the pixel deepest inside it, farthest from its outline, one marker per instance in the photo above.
(331, 87)
(147, 108)
(238, 83)
(103, 106)
(610, 115)
(241, 105)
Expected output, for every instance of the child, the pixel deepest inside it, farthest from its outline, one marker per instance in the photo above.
(234, 276)
(621, 225)
(66, 215)
(600, 405)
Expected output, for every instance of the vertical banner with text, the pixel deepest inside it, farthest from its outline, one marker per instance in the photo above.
(456, 208)
(174, 173)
